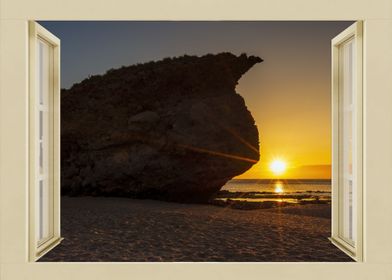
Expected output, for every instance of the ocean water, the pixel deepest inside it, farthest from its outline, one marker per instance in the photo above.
(278, 186)
(291, 191)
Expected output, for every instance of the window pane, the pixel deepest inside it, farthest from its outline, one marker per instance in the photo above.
(347, 187)
(41, 158)
(43, 212)
(43, 71)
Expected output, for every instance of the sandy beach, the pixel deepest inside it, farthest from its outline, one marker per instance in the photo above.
(130, 230)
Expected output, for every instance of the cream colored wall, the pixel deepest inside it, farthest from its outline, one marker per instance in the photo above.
(377, 139)
(197, 9)
(13, 140)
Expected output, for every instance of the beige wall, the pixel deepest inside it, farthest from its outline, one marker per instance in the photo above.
(197, 9)
(377, 16)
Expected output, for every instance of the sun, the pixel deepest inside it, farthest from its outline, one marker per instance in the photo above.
(278, 166)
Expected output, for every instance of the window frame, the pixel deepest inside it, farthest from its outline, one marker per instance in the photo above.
(14, 17)
(352, 32)
(36, 33)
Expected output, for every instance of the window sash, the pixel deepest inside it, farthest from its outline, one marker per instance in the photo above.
(44, 143)
(347, 217)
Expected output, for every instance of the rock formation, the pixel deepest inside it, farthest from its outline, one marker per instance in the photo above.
(174, 129)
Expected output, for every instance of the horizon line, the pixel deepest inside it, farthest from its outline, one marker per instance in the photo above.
(277, 179)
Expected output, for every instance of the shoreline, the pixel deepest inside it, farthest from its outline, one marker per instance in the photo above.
(264, 200)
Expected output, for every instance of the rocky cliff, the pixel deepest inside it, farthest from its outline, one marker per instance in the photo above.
(174, 129)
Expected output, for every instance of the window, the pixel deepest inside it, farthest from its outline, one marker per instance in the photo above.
(44, 146)
(347, 141)
(45, 141)
(15, 15)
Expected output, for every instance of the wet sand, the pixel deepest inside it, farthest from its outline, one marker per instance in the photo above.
(130, 230)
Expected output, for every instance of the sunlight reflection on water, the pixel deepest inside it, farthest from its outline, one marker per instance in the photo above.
(278, 187)
(270, 186)
(278, 191)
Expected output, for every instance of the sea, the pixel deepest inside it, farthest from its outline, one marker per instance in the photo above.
(289, 190)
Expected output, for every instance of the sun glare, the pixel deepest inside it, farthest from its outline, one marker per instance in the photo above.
(278, 166)
(278, 187)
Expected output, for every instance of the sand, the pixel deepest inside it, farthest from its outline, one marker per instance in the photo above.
(130, 230)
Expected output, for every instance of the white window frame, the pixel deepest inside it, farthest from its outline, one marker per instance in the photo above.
(14, 17)
(355, 250)
(354, 31)
(37, 248)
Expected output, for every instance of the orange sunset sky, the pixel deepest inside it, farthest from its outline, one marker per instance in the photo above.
(293, 117)
(288, 93)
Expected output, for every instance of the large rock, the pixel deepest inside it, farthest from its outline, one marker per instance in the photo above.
(174, 129)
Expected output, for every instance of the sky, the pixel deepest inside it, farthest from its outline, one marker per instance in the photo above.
(288, 93)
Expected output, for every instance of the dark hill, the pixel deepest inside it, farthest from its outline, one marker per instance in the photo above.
(174, 129)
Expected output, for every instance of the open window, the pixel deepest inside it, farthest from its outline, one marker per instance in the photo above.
(44, 145)
(346, 153)
(347, 229)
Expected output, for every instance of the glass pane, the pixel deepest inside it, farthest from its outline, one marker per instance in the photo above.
(41, 123)
(347, 185)
(40, 211)
(43, 212)
(43, 71)
(41, 139)
(43, 148)
(41, 158)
